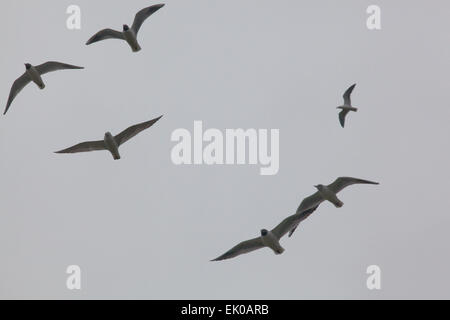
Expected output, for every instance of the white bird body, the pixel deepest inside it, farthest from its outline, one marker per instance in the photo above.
(111, 145)
(35, 77)
(131, 39)
(271, 241)
(329, 195)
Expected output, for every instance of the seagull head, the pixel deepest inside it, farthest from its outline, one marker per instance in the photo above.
(27, 66)
(264, 232)
(125, 27)
(318, 186)
(108, 134)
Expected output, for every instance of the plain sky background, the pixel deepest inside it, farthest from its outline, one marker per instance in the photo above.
(142, 227)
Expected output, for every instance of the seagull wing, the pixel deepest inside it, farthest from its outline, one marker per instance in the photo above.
(105, 34)
(85, 147)
(144, 14)
(291, 223)
(17, 86)
(342, 115)
(53, 66)
(241, 248)
(311, 202)
(130, 132)
(347, 100)
(342, 182)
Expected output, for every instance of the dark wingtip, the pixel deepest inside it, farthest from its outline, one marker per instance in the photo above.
(220, 258)
(371, 182)
(157, 119)
(154, 7)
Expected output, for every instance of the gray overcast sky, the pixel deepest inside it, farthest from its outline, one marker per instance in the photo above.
(142, 227)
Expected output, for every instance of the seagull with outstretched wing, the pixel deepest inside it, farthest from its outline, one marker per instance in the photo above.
(34, 73)
(110, 142)
(329, 193)
(128, 34)
(347, 106)
(270, 239)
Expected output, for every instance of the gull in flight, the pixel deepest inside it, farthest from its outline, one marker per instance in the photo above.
(329, 193)
(347, 106)
(33, 73)
(128, 34)
(270, 239)
(110, 142)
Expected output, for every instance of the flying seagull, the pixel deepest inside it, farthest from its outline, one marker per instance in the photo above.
(110, 142)
(347, 106)
(33, 73)
(329, 193)
(128, 34)
(270, 239)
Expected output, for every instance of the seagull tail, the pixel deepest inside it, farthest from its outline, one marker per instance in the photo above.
(338, 204)
(116, 155)
(136, 48)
